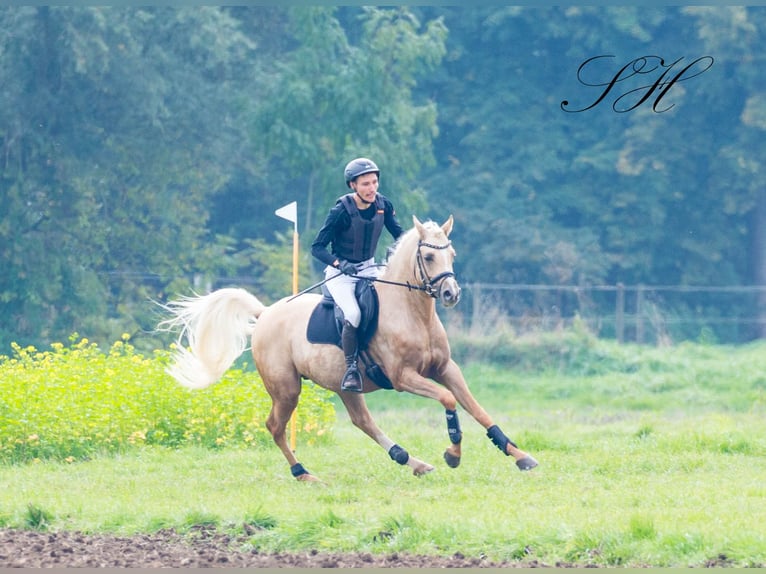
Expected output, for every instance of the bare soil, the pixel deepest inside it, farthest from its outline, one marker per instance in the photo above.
(199, 549)
(206, 548)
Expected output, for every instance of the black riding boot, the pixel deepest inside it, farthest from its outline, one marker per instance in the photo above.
(352, 380)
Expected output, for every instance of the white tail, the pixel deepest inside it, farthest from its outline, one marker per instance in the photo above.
(217, 328)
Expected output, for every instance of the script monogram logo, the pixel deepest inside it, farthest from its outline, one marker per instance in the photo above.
(651, 67)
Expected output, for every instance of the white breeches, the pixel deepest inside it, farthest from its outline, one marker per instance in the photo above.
(342, 289)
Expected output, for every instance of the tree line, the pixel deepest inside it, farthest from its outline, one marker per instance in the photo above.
(144, 150)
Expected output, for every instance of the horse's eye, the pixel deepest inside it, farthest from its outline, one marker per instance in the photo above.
(429, 258)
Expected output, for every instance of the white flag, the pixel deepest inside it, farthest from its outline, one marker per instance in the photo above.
(288, 212)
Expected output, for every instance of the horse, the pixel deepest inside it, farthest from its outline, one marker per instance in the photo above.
(410, 345)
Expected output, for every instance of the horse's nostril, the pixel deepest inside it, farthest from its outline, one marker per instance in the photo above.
(450, 297)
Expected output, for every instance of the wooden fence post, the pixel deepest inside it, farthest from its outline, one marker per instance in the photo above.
(619, 319)
(476, 307)
(640, 314)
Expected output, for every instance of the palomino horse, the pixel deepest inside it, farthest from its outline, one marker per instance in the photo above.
(410, 345)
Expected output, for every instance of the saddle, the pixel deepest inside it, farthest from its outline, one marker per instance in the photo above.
(326, 324)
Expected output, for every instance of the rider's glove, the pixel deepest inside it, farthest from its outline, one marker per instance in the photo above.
(346, 267)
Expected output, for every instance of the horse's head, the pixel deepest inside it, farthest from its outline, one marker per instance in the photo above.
(433, 261)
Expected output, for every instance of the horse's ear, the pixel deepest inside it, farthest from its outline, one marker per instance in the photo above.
(447, 225)
(419, 226)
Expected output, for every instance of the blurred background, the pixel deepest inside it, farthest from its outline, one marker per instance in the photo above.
(143, 152)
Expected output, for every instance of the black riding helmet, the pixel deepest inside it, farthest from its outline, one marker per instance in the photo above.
(359, 166)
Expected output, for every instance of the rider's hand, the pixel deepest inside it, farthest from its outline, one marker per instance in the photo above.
(346, 267)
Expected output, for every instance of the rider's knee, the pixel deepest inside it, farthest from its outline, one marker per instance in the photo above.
(353, 316)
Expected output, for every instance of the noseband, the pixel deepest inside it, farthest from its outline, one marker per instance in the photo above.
(430, 284)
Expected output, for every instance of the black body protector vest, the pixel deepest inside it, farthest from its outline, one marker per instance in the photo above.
(358, 242)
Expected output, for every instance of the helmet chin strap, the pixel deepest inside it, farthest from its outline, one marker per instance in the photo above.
(363, 200)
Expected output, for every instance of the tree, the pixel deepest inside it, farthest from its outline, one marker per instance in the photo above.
(116, 127)
(326, 100)
(147, 148)
(604, 195)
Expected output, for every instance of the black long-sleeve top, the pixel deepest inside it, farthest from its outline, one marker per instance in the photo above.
(338, 220)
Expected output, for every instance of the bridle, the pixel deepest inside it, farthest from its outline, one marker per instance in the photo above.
(430, 283)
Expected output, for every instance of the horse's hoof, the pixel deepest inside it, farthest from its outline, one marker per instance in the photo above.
(526, 463)
(421, 470)
(451, 460)
(307, 478)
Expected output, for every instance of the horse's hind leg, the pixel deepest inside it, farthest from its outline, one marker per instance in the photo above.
(361, 417)
(283, 404)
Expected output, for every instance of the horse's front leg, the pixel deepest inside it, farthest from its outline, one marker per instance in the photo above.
(412, 382)
(452, 379)
(362, 418)
(452, 454)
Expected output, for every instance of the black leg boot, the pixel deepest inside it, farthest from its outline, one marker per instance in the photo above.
(352, 380)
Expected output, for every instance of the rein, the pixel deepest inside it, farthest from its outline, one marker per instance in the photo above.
(428, 283)
(408, 285)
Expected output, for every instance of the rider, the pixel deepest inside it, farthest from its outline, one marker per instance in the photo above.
(353, 227)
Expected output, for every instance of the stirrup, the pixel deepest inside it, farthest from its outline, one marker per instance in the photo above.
(352, 380)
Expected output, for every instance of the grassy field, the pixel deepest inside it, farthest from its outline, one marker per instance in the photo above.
(647, 457)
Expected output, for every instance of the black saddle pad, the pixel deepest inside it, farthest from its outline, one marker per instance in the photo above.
(326, 320)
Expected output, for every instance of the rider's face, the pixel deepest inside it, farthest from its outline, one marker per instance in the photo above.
(366, 186)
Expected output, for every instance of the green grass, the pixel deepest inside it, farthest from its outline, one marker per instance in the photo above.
(657, 460)
(605, 493)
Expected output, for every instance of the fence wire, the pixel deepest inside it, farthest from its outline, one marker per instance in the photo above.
(636, 313)
(628, 313)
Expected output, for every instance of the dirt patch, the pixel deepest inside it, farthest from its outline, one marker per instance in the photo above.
(208, 548)
(200, 549)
